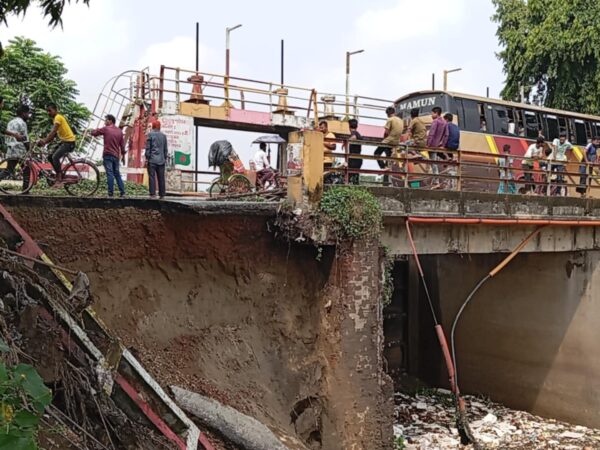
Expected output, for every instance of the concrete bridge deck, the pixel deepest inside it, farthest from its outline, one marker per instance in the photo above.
(573, 223)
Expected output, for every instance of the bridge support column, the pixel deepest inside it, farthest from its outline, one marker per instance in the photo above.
(360, 413)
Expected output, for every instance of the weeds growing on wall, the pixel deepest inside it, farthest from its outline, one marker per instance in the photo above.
(23, 398)
(388, 278)
(353, 211)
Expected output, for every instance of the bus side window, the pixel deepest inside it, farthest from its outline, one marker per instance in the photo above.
(562, 126)
(500, 118)
(552, 127)
(471, 119)
(483, 122)
(519, 125)
(571, 134)
(531, 125)
(588, 131)
(597, 133)
(512, 122)
(580, 134)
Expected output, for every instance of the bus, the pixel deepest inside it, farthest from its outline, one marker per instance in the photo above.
(488, 124)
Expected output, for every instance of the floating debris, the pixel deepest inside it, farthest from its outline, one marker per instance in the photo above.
(426, 421)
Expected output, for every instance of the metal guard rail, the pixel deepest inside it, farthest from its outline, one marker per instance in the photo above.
(466, 170)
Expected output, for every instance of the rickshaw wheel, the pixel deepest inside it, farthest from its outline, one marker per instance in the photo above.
(216, 188)
(238, 184)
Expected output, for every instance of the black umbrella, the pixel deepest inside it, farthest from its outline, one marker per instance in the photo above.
(219, 153)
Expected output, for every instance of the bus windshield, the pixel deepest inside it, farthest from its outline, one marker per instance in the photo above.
(423, 103)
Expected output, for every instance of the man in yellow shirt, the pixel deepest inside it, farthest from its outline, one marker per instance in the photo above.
(417, 132)
(67, 139)
(391, 136)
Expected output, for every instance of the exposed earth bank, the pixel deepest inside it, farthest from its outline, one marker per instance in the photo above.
(215, 304)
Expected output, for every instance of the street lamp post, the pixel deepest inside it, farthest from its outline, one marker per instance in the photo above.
(446, 72)
(348, 55)
(227, 57)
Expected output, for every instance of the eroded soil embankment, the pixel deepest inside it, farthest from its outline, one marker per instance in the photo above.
(211, 303)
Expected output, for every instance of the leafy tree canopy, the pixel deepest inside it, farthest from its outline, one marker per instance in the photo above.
(551, 48)
(52, 9)
(30, 76)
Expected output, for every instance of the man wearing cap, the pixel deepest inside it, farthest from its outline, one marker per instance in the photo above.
(114, 151)
(156, 159)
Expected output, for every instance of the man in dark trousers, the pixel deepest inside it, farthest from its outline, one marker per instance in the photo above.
(156, 159)
(452, 143)
(354, 149)
(114, 150)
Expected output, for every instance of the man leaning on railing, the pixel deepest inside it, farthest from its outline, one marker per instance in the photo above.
(354, 149)
(437, 138)
(393, 129)
(590, 156)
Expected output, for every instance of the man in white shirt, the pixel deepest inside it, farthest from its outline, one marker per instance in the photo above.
(560, 147)
(533, 153)
(264, 172)
(17, 148)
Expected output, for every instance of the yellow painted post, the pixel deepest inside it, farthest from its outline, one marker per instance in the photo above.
(312, 166)
(310, 181)
(294, 182)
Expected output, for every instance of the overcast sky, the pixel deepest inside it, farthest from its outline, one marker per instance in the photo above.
(404, 41)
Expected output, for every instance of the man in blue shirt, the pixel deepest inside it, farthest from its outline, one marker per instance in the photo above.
(452, 143)
(590, 156)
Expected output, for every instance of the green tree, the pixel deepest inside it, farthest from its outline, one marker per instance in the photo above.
(52, 9)
(29, 75)
(552, 44)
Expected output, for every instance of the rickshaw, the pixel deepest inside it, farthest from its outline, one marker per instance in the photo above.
(234, 177)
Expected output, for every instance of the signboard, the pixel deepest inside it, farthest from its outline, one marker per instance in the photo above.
(294, 159)
(180, 139)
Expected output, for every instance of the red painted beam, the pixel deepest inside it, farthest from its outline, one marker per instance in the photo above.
(149, 412)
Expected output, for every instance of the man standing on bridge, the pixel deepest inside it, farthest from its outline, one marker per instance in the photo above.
(417, 132)
(438, 137)
(156, 159)
(393, 129)
(114, 150)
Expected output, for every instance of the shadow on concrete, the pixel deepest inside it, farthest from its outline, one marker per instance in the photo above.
(529, 337)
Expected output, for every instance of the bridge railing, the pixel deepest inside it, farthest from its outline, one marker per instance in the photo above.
(463, 170)
(178, 85)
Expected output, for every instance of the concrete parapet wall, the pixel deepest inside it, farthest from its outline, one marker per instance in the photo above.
(399, 204)
(402, 202)
(471, 239)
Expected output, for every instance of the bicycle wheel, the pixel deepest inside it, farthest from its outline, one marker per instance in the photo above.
(216, 188)
(81, 178)
(238, 184)
(15, 176)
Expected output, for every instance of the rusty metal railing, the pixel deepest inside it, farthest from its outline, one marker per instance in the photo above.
(176, 85)
(464, 170)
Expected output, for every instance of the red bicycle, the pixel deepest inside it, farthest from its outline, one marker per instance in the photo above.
(18, 175)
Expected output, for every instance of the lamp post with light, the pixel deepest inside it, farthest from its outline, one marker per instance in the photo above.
(446, 72)
(348, 55)
(227, 59)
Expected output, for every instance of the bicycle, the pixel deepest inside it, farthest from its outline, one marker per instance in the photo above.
(18, 175)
